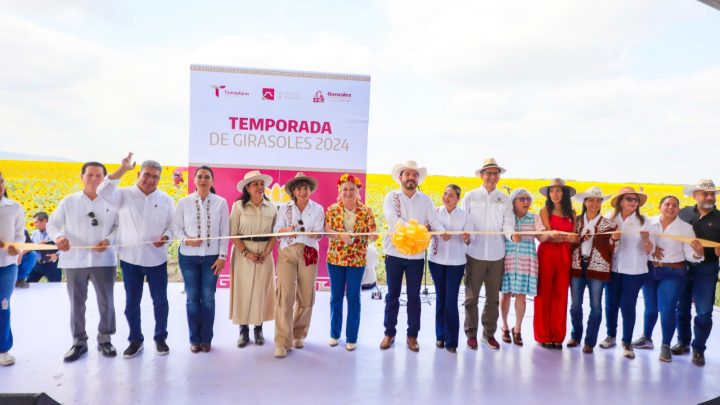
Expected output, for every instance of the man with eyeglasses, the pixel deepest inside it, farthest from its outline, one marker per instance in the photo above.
(485, 207)
(144, 215)
(83, 219)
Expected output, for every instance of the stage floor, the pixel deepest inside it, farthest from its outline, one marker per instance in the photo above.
(319, 374)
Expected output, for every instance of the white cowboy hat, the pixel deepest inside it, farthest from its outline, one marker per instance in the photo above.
(629, 190)
(300, 176)
(252, 176)
(489, 164)
(557, 183)
(592, 192)
(411, 165)
(702, 185)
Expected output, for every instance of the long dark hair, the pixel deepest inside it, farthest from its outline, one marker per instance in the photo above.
(245, 197)
(618, 210)
(565, 203)
(212, 175)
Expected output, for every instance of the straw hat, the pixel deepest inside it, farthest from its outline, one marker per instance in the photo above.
(702, 185)
(557, 183)
(629, 190)
(592, 192)
(300, 176)
(252, 176)
(412, 165)
(489, 164)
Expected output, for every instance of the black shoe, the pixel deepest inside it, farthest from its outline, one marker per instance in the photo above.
(107, 349)
(133, 350)
(22, 284)
(244, 338)
(74, 353)
(161, 347)
(698, 358)
(680, 349)
(258, 335)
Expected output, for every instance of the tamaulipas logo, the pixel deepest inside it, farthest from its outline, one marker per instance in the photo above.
(217, 89)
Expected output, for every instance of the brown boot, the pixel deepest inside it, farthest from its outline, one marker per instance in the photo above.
(413, 344)
(387, 342)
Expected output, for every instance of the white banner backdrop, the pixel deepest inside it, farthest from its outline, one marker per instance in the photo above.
(273, 119)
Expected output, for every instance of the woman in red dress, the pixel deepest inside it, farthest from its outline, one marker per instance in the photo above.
(554, 265)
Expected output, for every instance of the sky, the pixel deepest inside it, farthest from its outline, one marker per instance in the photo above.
(611, 91)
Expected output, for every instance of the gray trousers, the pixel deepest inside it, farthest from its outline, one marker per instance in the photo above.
(103, 279)
(490, 273)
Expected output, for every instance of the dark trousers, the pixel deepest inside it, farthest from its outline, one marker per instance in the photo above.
(661, 294)
(48, 270)
(133, 278)
(621, 294)
(447, 281)
(700, 287)
(395, 268)
(200, 281)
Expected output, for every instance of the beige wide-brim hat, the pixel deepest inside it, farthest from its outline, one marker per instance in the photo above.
(629, 190)
(300, 176)
(592, 192)
(489, 164)
(557, 183)
(408, 165)
(252, 176)
(706, 185)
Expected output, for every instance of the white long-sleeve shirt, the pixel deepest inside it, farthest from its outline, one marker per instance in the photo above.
(673, 251)
(419, 207)
(192, 209)
(72, 220)
(12, 225)
(450, 252)
(630, 258)
(142, 218)
(313, 220)
(487, 213)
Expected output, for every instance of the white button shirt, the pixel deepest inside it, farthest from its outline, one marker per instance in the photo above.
(12, 226)
(450, 252)
(142, 218)
(487, 213)
(419, 207)
(630, 258)
(673, 251)
(185, 224)
(72, 221)
(313, 217)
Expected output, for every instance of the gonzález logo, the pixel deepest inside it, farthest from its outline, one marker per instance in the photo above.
(268, 94)
(318, 98)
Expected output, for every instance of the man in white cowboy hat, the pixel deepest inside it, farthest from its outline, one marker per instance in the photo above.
(401, 206)
(296, 264)
(144, 214)
(705, 219)
(485, 207)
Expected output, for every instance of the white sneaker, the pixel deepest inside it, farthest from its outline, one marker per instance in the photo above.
(298, 343)
(280, 352)
(333, 342)
(6, 359)
(351, 346)
(628, 351)
(608, 342)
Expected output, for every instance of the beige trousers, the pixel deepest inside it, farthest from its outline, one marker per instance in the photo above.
(295, 288)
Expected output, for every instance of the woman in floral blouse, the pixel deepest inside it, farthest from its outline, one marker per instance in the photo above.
(346, 257)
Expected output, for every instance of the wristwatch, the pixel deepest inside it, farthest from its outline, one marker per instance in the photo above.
(244, 252)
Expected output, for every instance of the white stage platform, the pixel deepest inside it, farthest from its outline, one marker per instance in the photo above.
(319, 374)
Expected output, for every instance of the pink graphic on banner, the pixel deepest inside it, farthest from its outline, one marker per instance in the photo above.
(225, 185)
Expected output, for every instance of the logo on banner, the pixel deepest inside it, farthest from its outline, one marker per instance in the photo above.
(217, 90)
(268, 94)
(339, 96)
(318, 97)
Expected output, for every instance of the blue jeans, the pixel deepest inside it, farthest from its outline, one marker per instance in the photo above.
(661, 293)
(395, 268)
(8, 277)
(200, 282)
(621, 294)
(700, 288)
(48, 270)
(447, 281)
(133, 278)
(345, 279)
(27, 264)
(577, 291)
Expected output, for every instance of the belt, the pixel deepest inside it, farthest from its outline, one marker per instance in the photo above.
(676, 265)
(258, 238)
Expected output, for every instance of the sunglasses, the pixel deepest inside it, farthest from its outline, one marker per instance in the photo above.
(93, 220)
(524, 199)
(302, 228)
(632, 199)
(491, 174)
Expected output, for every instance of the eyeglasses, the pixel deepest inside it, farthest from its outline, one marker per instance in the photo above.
(632, 199)
(302, 228)
(491, 174)
(525, 199)
(93, 221)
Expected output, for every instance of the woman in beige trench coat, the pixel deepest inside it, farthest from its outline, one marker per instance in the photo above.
(252, 287)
